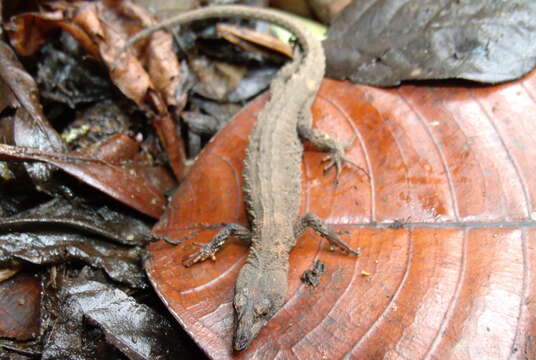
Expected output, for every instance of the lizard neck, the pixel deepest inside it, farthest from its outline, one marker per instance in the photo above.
(268, 256)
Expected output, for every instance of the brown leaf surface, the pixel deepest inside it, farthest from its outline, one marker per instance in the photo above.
(253, 41)
(124, 185)
(20, 301)
(28, 32)
(457, 282)
(35, 130)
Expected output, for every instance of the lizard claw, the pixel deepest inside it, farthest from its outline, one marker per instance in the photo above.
(336, 158)
(207, 251)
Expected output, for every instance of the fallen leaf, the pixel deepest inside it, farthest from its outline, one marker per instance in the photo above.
(254, 41)
(20, 299)
(30, 126)
(62, 214)
(382, 42)
(456, 163)
(102, 28)
(327, 10)
(44, 246)
(7, 99)
(124, 185)
(28, 32)
(25, 91)
(134, 329)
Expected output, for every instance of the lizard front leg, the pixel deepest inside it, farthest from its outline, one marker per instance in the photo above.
(325, 143)
(324, 230)
(210, 249)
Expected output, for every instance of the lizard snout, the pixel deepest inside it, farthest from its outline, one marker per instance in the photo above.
(245, 332)
(249, 323)
(241, 342)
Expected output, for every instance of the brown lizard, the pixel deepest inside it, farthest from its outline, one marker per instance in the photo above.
(272, 174)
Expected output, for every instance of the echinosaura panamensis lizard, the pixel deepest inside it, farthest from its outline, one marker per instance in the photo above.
(272, 174)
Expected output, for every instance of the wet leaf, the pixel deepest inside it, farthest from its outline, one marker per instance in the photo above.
(44, 245)
(105, 222)
(382, 42)
(135, 329)
(30, 127)
(20, 299)
(455, 165)
(124, 185)
(23, 87)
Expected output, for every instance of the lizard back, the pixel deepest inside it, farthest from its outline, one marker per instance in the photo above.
(272, 174)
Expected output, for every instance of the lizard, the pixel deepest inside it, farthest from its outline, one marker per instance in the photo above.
(272, 174)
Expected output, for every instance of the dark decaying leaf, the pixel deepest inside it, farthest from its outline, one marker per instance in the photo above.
(20, 299)
(200, 123)
(30, 127)
(43, 245)
(124, 185)
(102, 28)
(66, 74)
(7, 98)
(254, 81)
(97, 123)
(24, 88)
(135, 329)
(381, 42)
(105, 222)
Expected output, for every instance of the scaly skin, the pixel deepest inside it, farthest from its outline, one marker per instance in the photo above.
(272, 174)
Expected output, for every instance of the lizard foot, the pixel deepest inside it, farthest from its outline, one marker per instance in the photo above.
(324, 230)
(337, 159)
(207, 250)
(210, 249)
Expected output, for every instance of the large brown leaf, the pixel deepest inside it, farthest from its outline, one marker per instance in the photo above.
(457, 282)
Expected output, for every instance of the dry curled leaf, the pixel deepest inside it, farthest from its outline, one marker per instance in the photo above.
(102, 28)
(455, 163)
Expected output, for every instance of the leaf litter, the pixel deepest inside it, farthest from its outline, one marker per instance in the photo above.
(61, 234)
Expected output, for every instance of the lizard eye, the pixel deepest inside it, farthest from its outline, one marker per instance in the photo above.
(263, 307)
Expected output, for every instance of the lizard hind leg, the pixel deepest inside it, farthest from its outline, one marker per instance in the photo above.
(210, 249)
(324, 230)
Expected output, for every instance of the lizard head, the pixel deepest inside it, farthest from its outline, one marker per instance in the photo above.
(259, 294)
